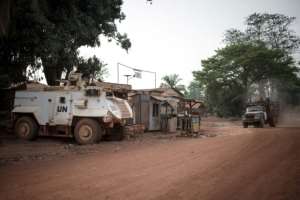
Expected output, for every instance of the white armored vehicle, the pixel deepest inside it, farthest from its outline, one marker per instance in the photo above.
(73, 110)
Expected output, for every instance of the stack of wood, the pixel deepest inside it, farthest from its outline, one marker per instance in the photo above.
(133, 131)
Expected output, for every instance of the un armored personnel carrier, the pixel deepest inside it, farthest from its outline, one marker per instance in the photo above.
(76, 109)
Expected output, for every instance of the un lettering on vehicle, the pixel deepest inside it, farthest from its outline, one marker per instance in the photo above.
(62, 109)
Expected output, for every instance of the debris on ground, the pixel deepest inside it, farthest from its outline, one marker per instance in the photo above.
(13, 150)
(133, 131)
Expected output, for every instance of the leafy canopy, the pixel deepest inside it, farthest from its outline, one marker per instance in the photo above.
(272, 29)
(171, 80)
(52, 31)
(195, 90)
(92, 68)
(257, 59)
(229, 75)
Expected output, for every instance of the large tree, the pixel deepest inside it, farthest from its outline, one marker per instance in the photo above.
(272, 29)
(252, 60)
(230, 74)
(52, 31)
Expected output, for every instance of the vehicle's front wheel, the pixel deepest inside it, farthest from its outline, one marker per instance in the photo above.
(245, 125)
(26, 128)
(87, 131)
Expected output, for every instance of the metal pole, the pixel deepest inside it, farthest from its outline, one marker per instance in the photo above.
(118, 72)
(135, 69)
(127, 78)
(155, 80)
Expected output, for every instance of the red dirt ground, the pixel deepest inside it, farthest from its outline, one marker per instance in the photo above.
(239, 163)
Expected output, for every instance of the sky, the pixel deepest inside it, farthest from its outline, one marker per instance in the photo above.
(173, 36)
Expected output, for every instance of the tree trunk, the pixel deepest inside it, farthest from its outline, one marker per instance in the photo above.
(52, 74)
(5, 15)
(261, 89)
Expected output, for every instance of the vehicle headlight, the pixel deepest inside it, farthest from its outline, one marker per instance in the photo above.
(108, 118)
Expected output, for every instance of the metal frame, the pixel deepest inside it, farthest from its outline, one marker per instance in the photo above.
(134, 69)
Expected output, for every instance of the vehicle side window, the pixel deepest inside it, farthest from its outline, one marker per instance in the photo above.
(62, 100)
(92, 92)
(109, 94)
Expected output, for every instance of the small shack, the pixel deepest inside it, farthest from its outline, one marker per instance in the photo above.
(189, 116)
(155, 108)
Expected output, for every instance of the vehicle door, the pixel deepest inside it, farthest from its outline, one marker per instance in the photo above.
(63, 112)
(154, 123)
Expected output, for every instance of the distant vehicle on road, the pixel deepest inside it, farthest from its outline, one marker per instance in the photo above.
(260, 113)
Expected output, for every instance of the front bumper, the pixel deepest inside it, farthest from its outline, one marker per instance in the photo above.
(250, 121)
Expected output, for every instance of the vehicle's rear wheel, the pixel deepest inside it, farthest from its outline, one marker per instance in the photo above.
(261, 123)
(245, 125)
(26, 128)
(87, 131)
(271, 122)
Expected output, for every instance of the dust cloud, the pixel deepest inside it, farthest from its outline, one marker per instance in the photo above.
(289, 116)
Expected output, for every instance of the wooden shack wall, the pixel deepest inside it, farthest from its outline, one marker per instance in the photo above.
(154, 121)
(140, 106)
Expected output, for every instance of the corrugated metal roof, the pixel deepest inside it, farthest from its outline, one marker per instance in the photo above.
(159, 98)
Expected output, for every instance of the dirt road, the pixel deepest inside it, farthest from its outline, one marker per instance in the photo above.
(239, 164)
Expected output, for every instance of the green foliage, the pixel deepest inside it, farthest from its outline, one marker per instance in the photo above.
(172, 81)
(271, 29)
(259, 55)
(195, 91)
(290, 91)
(228, 76)
(92, 68)
(53, 31)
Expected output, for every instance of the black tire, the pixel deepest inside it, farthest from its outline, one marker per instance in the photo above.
(101, 134)
(118, 133)
(261, 123)
(87, 131)
(245, 125)
(273, 125)
(26, 128)
(271, 122)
